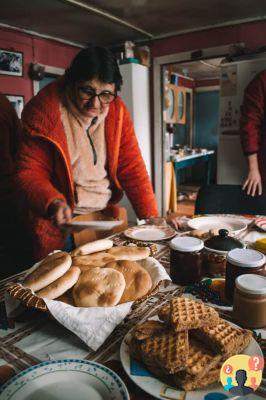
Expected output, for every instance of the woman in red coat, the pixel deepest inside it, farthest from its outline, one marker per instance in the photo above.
(79, 151)
(253, 133)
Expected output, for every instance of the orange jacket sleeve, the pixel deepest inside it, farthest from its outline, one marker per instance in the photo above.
(132, 173)
(34, 174)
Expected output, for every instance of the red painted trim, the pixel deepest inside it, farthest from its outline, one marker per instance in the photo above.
(252, 34)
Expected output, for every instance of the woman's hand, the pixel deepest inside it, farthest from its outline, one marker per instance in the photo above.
(253, 183)
(172, 220)
(60, 213)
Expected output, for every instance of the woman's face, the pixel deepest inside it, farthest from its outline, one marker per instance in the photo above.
(88, 103)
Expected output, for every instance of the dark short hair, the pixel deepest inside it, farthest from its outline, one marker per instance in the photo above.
(94, 62)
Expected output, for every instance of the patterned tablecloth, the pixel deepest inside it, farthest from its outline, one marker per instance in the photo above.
(34, 337)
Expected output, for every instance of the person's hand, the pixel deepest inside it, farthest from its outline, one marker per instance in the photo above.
(253, 184)
(60, 213)
(172, 220)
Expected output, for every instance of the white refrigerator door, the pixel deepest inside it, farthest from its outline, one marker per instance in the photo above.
(135, 93)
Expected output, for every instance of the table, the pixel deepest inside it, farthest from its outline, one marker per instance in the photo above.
(34, 337)
(194, 159)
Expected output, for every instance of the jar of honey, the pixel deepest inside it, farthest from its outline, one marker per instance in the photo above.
(249, 309)
(240, 262)
(186, 260)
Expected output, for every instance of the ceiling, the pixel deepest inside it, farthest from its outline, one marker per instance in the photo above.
(203, 69)
(111, 22)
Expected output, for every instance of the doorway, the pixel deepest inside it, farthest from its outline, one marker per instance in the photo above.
(159, 127)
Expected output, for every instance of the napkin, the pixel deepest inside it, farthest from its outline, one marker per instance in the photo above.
(94, 324)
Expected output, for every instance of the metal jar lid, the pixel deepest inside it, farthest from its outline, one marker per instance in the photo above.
(251, 284)
(246, 258)
(186, 244)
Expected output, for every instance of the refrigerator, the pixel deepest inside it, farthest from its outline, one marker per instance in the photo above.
(136, 95)
(235, 76)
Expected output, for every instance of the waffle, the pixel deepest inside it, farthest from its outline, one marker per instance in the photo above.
(224, 338)
(188, 382)
(200, 359)
(169, 350)
(135, 349)
(164, 313)
(189, 314)
(148, 329)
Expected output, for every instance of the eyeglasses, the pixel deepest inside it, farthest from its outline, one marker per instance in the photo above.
(105, 96)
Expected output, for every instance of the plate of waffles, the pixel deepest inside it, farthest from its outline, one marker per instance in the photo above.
(178, 353)
(150, 233)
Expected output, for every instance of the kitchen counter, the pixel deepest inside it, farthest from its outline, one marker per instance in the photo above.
(182, 162)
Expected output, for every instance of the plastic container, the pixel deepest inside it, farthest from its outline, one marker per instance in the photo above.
(186, 260)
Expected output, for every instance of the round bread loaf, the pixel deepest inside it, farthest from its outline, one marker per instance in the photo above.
(61, 285)
(138, 280)
(93, 260)
(51, 268)
(99, 287)
(129, 253)
(93, 247)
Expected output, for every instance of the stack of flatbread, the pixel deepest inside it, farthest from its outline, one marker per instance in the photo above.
(189, 345)
(94, 275)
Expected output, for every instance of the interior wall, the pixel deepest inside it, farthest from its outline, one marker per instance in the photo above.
(35, 50)
(252, 34)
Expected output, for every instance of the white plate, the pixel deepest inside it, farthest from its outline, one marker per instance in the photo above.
(260, 223)
(95, 225)
(150, 233)
(233, 225)
(65, 379)
(160, 390)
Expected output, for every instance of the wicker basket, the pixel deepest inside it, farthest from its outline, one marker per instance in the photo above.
(30, 300)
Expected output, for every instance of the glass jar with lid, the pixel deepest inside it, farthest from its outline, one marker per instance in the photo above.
(240, 262)
(215, 251)
(186, 260)
(249, 309)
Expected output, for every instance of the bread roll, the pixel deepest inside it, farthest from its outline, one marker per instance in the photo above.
(93, 260)
(51, 268)
(138, 280)
(99, 287)
(92, 247)
(129, 253)
(198, 233)
(61, 285)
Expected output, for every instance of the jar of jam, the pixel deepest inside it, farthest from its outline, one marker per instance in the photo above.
(186, 260)
(215, 251)
(249, 308)
(240, 262)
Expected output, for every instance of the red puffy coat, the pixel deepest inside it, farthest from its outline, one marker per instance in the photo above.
(44, 169)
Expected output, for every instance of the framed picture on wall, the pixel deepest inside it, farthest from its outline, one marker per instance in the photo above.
(11, 63)
(17, 102)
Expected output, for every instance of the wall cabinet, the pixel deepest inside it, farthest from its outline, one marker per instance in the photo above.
(174, 104)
